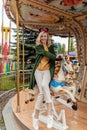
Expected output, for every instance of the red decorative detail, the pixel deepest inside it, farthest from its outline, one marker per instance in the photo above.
(43, 30)
(5, 50)
(70, 2)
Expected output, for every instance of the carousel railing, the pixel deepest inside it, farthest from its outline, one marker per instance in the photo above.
(26, 76)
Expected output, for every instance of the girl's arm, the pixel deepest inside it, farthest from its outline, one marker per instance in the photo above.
(40, 51)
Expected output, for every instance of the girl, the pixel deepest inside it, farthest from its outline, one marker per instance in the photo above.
(43, 72)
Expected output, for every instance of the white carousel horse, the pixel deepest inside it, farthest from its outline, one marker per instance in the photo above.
(63, 81)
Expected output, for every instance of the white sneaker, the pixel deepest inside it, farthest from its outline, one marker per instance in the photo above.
(35, 123)
(50, 121)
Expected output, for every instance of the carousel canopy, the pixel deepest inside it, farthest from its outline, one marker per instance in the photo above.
(59, 16)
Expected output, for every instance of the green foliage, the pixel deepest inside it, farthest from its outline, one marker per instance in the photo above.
(6, 83)
(1, 122)
(29, 47)
(72, 46)
(63, 49)
(60, 48)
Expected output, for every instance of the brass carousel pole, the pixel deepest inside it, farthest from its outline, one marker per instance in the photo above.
(18, 69)
(23, 55)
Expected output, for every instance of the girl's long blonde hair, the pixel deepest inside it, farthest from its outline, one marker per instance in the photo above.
(38, 42)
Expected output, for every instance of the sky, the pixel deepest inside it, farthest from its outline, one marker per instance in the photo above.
(61, 40)
(6, 22)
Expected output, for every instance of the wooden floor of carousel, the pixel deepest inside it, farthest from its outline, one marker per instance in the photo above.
(75, 120)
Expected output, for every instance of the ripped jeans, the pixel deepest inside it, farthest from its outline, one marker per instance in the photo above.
(43, 79)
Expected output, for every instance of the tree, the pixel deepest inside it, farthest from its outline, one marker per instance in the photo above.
(60, 48)
(63, 49)
(29, 47)
(72, 46)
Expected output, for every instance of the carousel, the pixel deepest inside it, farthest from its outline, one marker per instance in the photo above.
(63, 18)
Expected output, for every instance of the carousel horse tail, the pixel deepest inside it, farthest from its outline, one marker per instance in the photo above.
(71, 99)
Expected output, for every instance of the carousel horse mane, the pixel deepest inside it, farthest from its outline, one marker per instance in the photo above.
(58, 64)
(68, 69)
(68, 66)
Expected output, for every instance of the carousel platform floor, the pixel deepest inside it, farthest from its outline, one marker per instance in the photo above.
(75, 120)
(11, 123)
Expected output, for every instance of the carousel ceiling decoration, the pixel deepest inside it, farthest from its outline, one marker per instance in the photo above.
(57, 15)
